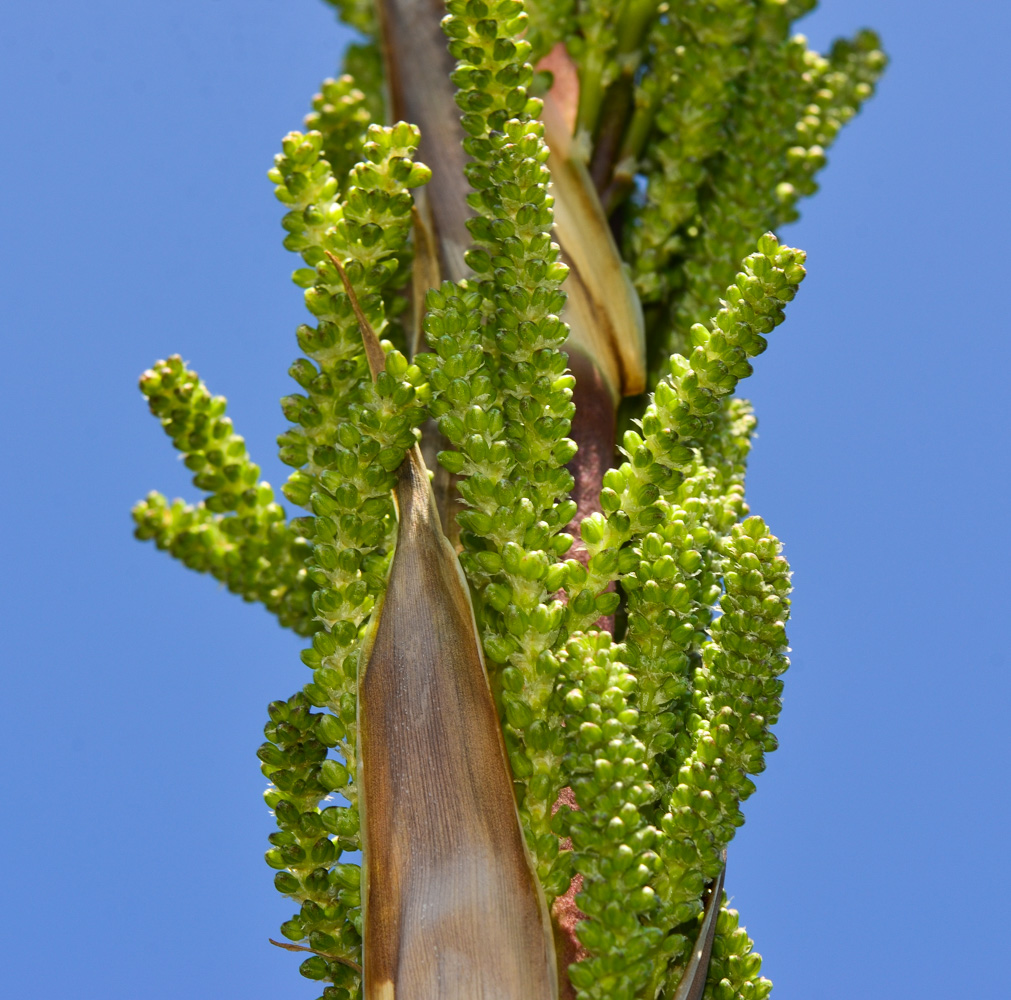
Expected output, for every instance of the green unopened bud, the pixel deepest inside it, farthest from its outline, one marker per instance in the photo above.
(286, 883)
(314, 968)
(333, 775)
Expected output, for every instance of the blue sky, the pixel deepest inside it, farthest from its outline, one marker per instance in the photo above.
(137, 221)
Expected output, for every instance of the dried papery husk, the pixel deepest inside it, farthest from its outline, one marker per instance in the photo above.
(451, 906)
(603, 309)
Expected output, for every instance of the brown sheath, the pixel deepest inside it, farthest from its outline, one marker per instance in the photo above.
(452, 909)
(603, 310)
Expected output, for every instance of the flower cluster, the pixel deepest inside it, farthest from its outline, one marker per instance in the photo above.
(698, 52)
(736, 701)
(238, 533)
(307, 848)
(791, 108)
(612, 839)
(695, 127)
(341, 116)
(351, 434)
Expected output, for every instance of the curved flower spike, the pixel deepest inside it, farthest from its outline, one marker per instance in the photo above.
(238, 533)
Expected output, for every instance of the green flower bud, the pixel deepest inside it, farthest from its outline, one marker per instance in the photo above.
(314, 968)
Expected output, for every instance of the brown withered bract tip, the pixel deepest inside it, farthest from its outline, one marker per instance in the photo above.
(333, 958)
(373, 349)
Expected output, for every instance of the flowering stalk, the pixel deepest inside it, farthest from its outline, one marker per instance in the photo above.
(543, 684)
(238, 533)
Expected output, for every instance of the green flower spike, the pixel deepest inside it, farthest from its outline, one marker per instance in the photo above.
(686, 96)
(307, 848)
(790, 97)
(238, 534)
(680, 419)
(612, 839)
(351, 434)
(501, 396)
(625, 928)
(736, 702)
(676, 579)
(342, 116)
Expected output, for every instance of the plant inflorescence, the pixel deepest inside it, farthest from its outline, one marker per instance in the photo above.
(634, 642)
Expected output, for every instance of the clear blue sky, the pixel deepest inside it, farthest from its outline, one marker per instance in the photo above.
(137, 221)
